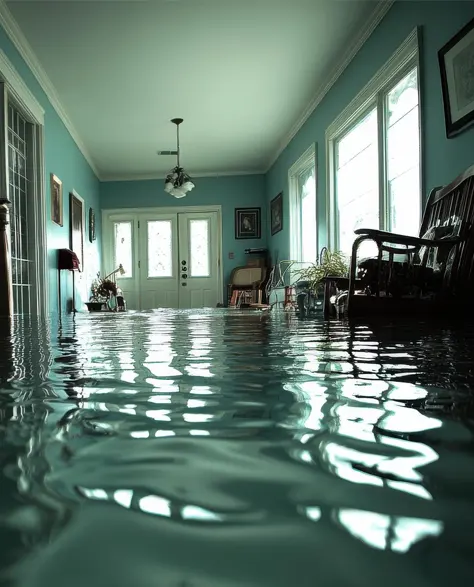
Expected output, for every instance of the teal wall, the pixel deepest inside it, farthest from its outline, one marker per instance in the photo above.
(63, 158)
(443, 158)
(230, 192)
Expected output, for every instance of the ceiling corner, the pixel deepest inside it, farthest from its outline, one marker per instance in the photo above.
(15, 34)
(374, 19)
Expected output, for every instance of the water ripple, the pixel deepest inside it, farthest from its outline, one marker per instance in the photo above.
(235, 448)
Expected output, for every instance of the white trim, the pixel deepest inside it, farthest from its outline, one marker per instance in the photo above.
(20, 42)
(406, 56)
(158, 176)
(41, 244)
(373, 20)
(21, 97)
(19, 90)
(124, 214)
(306, 161)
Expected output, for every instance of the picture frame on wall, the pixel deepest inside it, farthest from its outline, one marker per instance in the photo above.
(276, 214)
(456, 62)
(248, 223)
(56, 186)
(91, 225)
(76, 226)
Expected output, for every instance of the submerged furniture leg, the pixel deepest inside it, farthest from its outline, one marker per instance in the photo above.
(6, 289)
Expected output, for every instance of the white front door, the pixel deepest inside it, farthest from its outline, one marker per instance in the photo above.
(198, 260)
(171, 260)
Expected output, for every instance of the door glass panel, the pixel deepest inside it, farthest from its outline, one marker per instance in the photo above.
(199, 248)
(160, 248)
(123, 247)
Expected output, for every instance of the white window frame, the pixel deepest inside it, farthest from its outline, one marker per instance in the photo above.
(397, 67)
(306, 162)
(14, 90)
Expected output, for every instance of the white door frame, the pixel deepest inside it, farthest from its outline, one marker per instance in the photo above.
(107, 251)
(18, 93)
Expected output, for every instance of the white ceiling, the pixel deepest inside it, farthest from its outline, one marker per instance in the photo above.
(241, 73)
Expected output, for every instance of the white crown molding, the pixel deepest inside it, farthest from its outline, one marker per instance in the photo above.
(381, 9)
(157, 176)
(20, 90)
(21, 44)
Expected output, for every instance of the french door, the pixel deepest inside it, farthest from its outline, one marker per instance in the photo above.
(171, 259)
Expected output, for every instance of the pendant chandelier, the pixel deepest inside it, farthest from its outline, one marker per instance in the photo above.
(177, 182)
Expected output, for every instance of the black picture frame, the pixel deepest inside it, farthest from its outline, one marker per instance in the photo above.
(248, 223)
(276, 214)
(456, 61)
(92, 236)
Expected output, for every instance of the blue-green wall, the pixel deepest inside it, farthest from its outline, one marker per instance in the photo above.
(63, 158)
(230, 192)
(443, 158)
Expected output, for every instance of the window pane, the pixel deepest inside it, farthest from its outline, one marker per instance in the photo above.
(199, 248)
(123, 247)
(160, 247)
(357, 194)
(308, 220)
(403, 156)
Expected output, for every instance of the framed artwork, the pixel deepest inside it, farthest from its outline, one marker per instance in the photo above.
(56, 200)
(456, 62)
(276, 213)
(76, 213)
(91, 225)
(247, 223)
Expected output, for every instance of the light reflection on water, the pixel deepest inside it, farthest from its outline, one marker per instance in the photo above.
(253, 449)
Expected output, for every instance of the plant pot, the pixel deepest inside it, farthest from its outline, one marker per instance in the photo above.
(94, 306)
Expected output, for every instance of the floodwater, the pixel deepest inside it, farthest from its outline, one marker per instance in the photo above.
(235, 449)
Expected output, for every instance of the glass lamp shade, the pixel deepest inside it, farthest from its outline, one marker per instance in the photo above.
(178, 183)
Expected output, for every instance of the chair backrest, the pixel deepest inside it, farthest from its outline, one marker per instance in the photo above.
(451, 208)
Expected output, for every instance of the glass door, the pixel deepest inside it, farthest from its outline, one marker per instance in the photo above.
(198, 260)
(158, 261)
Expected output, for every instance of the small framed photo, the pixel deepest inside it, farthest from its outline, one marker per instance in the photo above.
(247, 223)
(276, 213)
(56, 200)
(91, 225)
(456, 62)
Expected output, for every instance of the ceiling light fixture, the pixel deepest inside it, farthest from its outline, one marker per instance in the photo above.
(177, 182)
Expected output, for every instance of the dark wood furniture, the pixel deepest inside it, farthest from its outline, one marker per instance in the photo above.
(430, 273)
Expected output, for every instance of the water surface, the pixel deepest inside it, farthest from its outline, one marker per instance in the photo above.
(226, 448)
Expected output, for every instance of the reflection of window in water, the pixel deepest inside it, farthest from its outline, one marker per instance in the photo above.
(463, 70)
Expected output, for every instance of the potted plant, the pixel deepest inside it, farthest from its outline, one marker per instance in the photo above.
(102, 289)
(310, 280)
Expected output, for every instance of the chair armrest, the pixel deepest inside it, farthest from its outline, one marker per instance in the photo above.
(403, 239)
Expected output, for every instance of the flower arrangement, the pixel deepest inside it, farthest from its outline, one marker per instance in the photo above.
(102, 288)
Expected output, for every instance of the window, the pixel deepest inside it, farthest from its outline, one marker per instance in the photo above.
(123, 247)
(374, 156)
(302, 187)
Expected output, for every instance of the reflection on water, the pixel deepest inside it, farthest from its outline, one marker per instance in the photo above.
(231, 448)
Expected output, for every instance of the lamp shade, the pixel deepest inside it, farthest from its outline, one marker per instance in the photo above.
(178, 183)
